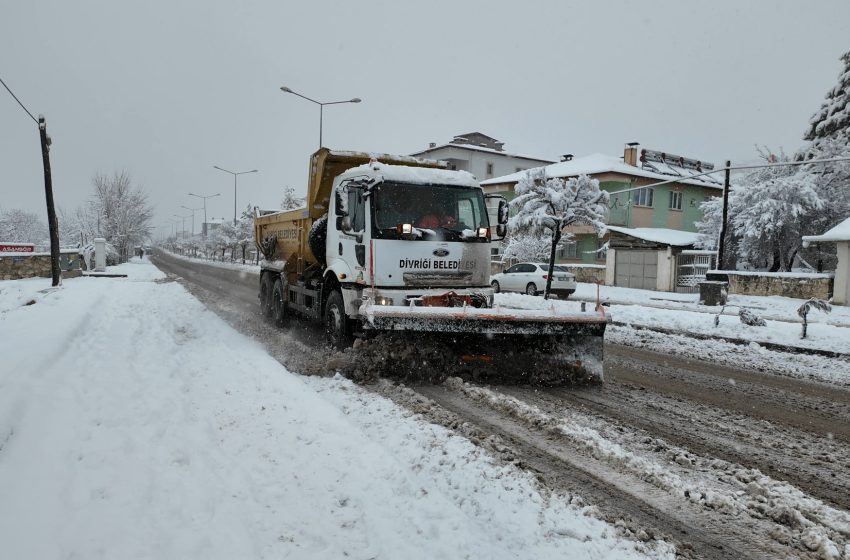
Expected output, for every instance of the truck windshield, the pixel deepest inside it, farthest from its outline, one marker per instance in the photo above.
(436, 210)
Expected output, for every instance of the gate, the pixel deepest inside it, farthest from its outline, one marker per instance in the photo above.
(691, 267)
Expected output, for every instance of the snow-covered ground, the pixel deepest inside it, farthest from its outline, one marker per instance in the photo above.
(134, 423)
(820, 335)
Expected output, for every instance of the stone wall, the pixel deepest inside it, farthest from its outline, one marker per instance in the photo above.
(14, 266)
(803, 286)
(593, 274)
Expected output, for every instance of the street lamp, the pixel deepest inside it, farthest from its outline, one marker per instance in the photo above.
(193, 216)
(205, 197)
(184, 223)
(321, 106)
(235, 174)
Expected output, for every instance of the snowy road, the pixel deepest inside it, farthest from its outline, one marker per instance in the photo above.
(726, 462)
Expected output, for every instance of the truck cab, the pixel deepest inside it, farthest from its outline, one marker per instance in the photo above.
(398, 234)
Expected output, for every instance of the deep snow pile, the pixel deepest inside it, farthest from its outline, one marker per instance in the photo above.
(135, 423)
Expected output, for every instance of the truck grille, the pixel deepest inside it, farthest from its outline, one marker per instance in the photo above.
(436, 279)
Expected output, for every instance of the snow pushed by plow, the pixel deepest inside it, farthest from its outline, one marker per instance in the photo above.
(527, 344)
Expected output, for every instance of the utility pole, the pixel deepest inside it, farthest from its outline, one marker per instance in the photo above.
(721, 245)
(52, 224)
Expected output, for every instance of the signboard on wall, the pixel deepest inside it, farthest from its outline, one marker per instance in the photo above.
(17, 247)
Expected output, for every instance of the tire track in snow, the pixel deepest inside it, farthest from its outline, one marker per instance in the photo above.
(623, 497)
(804, 460)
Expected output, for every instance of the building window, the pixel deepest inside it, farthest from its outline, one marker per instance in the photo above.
(643, 197)
(675, 200)
(489, 168)
(568, 250)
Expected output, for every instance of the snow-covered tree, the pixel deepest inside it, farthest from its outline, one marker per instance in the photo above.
(769, 213)
(553, 203)
(122, 211)
(290, 201)
(245, 230)
(224, 237)
(524, 246)
(828, 137)
(709, 226)
(20, 226)
(832, 120)
(78, 227)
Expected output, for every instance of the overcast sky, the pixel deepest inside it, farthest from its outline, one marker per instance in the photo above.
(167, 89)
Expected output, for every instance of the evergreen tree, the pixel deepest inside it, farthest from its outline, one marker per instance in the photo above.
(832, 120)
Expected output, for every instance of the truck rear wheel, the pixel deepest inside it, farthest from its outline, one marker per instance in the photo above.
(278, 304)
(266, 295)
(337, 327)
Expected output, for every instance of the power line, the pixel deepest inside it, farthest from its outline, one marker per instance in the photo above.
(18, 100)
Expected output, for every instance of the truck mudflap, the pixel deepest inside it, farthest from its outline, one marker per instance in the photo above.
(498, 345)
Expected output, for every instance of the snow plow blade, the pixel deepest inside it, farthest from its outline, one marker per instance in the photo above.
(541, 347)
(484, 321)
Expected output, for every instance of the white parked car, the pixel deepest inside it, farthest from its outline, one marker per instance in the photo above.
(530, 278)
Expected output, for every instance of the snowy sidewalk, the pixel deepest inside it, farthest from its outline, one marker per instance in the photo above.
(682, 313)
(134, 423)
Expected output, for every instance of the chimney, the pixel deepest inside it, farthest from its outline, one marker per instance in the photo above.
(432, 144)
(567, 157)
(630, 153)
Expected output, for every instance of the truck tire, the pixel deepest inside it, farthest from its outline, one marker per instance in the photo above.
(531, 289)
(278, 304)
(317, 237)
(337, 326)
(266, 286)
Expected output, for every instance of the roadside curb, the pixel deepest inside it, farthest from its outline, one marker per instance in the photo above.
(738, 341)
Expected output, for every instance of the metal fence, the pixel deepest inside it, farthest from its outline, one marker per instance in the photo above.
(691, 267)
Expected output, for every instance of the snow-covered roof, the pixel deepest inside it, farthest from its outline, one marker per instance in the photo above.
(480, 149)
(666, 236)
(601, 163)
(412, 175)
(841, 232)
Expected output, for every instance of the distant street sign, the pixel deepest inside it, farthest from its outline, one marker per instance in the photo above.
(17, 247)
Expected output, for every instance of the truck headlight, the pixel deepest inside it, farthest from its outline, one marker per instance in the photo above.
(383, 300)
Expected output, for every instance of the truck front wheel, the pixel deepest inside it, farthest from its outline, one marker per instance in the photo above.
(337, 327)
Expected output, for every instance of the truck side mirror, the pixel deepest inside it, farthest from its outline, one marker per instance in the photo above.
(343, 223)
(340, 206)
(501, 231)
(503, 212)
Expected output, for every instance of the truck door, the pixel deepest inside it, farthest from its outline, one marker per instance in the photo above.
(353, 240)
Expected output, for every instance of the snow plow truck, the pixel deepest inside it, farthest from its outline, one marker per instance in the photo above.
(396, 247)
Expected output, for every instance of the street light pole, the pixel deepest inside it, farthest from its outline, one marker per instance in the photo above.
(205, 197)
(193, 217)
(235, 174)
(321, 105)
(184, 223)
